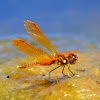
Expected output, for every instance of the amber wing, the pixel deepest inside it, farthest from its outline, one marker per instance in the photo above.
(29, 49)
(64, 53)
(34, 31)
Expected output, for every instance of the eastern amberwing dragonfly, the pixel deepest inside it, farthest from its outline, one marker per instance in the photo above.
(60, 58)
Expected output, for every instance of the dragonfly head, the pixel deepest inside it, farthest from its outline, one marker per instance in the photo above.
(72, 58)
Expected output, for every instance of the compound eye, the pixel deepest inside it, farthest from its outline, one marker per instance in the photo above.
(72, 58)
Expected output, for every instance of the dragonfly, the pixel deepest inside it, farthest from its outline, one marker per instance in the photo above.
(54, 57)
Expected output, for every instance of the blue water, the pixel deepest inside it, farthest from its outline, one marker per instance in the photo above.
(66, 41)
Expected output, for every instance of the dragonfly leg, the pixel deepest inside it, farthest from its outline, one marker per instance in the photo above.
(70, 70)
(56, 77)
(63, 70)
(53, 70)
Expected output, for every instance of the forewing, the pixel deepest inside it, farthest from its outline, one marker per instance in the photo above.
(68, 52)
(34, 31)
(29, 49)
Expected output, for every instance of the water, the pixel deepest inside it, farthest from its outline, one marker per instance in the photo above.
(32, 82)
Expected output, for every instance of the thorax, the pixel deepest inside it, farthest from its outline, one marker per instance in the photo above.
(62, 60)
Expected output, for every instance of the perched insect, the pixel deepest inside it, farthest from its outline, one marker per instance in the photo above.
(60, 58)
